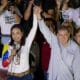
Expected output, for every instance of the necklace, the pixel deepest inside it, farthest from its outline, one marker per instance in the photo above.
(17, 58)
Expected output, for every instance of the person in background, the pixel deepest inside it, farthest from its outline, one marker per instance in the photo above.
(76, 12)
(7, 19)
(14, 9)
(77, 36)
(16, 53)
(67, 11)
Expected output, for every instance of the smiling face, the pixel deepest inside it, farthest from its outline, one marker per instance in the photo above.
(63, 36)
(17, 35)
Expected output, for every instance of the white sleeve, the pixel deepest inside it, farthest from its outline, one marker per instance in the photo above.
(49, 36)
(32, 33)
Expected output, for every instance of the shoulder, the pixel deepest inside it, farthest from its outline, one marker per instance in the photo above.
(74, 48)
(74, 44)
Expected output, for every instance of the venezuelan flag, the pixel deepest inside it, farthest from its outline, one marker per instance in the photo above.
(5, 54)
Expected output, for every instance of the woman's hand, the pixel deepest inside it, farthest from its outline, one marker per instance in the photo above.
(13, 53)
(37, 11)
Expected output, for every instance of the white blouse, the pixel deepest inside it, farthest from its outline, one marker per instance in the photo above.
(24, 56)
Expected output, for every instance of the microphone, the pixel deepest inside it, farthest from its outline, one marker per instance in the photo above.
(16, 46)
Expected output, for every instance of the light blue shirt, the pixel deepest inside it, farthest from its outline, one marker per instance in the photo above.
(64, 62)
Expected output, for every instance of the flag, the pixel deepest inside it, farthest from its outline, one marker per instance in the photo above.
(5, 55)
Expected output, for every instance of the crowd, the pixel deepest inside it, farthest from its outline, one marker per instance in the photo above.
(40, 39)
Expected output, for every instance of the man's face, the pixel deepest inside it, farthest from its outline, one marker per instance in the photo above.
(63, 36)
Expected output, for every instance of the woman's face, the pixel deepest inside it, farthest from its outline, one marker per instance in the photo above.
(77, 38)
(17, 35)
(63, 36)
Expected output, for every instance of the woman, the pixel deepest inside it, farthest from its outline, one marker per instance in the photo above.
(16, 53)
